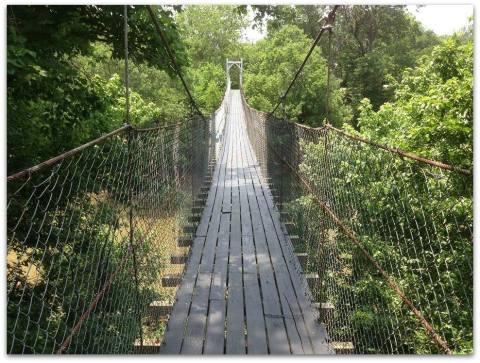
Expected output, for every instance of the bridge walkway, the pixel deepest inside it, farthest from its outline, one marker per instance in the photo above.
(241, 291)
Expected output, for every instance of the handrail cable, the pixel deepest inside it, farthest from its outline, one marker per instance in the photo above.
(400, 152)
(393, 150)
(55, 160)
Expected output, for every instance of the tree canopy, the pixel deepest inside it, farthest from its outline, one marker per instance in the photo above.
(270, 66)
(432, 110)
(367, 50)
(65, 72)
(53, 104)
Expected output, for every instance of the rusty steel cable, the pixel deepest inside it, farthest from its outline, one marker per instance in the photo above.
(402, 153)
(328, 23)
(329, 71)
(26, 173)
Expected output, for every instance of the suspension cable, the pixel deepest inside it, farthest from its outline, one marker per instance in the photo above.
(130, 194)
(170, 54)
(329, 66)
(329, 19)
(127, 89)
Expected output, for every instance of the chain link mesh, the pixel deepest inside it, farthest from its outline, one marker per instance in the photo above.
(90, 238)
(385, 242)
(374, 226)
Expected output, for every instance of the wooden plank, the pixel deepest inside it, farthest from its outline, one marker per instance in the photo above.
(184, 241)
(215, 335)
(197, 318)
(276, 331)
(213, 225)
(282, 309)
(256, 339)
(241, 276)
(160, 308)
(256, 330)
(178, 259)
(212, 196)
(343, 347)
(215, 343)
(297, 331)
(192, 345)
(277, 336)
(235, 327)
(148, 346)
(316, 331)
(173, 337)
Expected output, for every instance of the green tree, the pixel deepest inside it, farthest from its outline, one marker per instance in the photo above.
(270, 66)
(211, 33)
(208, 81)
(157, 98)
(369, 49)
(432, 112)
(50, 103)
(306, 17)
(370, 43)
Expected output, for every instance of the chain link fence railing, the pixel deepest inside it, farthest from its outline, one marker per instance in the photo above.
(384, 237)
(91, 235)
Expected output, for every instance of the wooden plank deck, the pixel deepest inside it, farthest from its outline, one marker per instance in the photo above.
(241, 291)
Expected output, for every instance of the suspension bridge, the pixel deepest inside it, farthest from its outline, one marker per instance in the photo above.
(239, 233)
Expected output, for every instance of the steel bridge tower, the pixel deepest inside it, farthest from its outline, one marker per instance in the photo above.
(229, 65)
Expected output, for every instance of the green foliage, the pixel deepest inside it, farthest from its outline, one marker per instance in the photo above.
(51, 103)
(432, 113)
(307, 17)
(67, 30)
(54, 111)
(415, 221)
(208, 82)
(370, 44)
(370, 49)
(211, 33)
(149, 104)
(271, 65)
